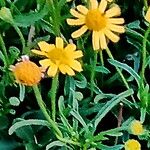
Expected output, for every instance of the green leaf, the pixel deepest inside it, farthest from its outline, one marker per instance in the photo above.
(2, 57)
(14, 53)
(143, 115)
(55, 143)
(134, 25)
(127, 68)
(102, 69)
(25, 20)
(78, 96)
(79, 118)
(81, 82)
(102, 96)
(110, 104)
(14, 101)
(61, 107)
(21, 92)
(23, 123)
(104, 147)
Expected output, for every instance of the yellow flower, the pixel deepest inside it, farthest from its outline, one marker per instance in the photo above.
(102, 22)
(136, 127)
(147, 16)
(27, 72)
(59, 58)
(132, 144)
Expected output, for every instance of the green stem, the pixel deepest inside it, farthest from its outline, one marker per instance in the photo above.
(144, 52)
(102, 63)
(21, 36)
(4, 49)
(44, 111)
(101, 58)
(68, 141)
(53, 92)
(118, 70)
(120, 73)
(93, 73)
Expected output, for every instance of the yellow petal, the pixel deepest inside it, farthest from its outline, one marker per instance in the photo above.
(116, 20)
(38, 52)
(113, 37)
(94, 4)
(45, 47)
(147, 16)
(76, 14)
(69, 71)
(70, 47)
(62, 69)
(114, 11)
(77, 54)
(103, 43)
(45, 63)
(79, 32)
(59, 42)
(75, 22)
(82, 9)
(76, 65)
(102, 6)
(66, 69)
(95, 40)
(52, 70)
(117, 28)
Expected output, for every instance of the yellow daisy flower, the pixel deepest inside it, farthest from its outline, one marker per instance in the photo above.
(59, 58)
(136, 127)
(132, 144)
(27, 72)
(103, 23)
(147, 16)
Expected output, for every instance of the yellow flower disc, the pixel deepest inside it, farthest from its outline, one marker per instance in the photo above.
(132, 144)
(136, 127)
(95, 20)
(27, 73)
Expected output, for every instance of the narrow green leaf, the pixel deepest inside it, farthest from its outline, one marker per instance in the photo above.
(127, 68)
(21, 92)
(55, 143)
(105, 147)
(20, 124)
(110, 104)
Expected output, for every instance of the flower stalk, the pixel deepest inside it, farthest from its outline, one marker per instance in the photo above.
(53, 92)
(93, 73)
(44, 111)
(2, 44)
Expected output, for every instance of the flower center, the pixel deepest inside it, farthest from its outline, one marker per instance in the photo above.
(58, 56)
(95, 20)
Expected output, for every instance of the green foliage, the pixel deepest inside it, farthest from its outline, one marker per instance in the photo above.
(88, 111)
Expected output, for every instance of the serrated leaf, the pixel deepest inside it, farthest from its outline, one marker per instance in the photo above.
(25, 20)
